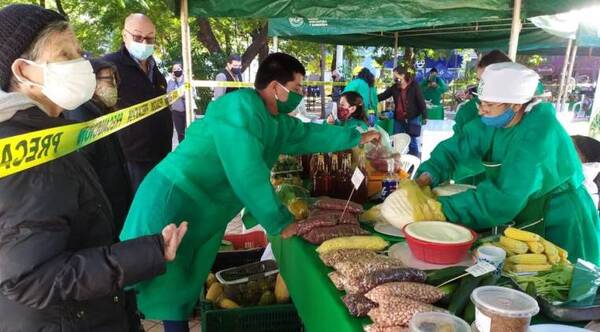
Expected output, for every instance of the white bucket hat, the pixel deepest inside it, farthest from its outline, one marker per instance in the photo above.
(507, 82)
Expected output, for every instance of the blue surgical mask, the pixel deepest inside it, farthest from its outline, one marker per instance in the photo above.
(140, 51)
(499, 121)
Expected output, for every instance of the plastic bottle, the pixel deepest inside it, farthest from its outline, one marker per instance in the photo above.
(390, 182)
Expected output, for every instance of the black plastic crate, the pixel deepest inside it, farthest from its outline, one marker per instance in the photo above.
(272, 318)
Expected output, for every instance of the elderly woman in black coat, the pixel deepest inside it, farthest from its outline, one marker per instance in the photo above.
(60, 266)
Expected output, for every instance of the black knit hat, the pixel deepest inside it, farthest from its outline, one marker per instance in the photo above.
(19, 26)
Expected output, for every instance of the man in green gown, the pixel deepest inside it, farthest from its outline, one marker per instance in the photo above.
(222, 166)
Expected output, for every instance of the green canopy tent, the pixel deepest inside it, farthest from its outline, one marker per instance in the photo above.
(479, 35)
(407, 11)
(413, 13)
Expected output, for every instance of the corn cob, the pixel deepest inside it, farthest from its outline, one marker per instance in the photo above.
(549, 248)
(564, 255)
(517, 234)
(535, 247)
(516, 246)
(553, 259)
(530, 259)
(531, 267)
(508, 251)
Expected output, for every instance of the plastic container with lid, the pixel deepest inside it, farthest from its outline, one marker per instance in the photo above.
(437, 322)
(499, 309)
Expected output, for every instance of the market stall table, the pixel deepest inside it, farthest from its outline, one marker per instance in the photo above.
(317, 300)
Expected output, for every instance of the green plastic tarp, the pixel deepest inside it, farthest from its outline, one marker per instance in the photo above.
(445, 11)
(484, 36)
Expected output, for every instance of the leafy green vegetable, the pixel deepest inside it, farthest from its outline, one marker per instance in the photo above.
(552, 285)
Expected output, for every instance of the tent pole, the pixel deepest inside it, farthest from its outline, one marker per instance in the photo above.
(515, 30)
(569, 73)
(186, 50)
(322, 87)
(395, 49)
(595, 111)
(563, 74)
(339, 58)
(275, 44)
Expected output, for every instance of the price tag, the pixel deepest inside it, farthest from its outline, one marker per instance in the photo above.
(357, 178)
(481, 268)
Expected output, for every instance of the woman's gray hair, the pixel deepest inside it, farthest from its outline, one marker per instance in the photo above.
(40, 42)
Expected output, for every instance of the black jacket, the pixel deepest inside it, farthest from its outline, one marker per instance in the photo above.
(230, 78)
(149, 139)
(60, 268)
(107, 159)
(416, 102)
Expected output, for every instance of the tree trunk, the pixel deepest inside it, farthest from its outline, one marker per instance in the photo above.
(409, 56)
(334, 61)
(263, 53)
(43, 3)
(61, 10)
(206, 36)
(259, 44)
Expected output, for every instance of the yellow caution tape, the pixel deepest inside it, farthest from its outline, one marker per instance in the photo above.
(231, 84)
(18, 153)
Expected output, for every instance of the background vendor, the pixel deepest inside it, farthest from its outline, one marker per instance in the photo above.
(350, 112)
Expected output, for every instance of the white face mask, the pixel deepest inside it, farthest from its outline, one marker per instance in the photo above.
(68, 84)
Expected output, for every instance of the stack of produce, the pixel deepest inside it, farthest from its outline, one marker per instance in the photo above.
(398, 302)
(376, 285)
(326, 222)
(529, 252)
(411, 202)
(261, 292)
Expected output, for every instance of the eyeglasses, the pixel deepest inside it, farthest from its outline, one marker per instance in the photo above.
(141, 39)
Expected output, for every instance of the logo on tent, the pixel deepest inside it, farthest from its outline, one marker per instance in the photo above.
(296, 22)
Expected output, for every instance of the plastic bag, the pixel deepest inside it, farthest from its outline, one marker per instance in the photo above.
(327, 203)
(321, 234)
(412, 290)
(363, 266)
(379, 328)
(372, 215)
(288, 192)
(358, 305)
(337, 280)
(399, 311)
(410, 203)
(342, 255)
(584, 285)
(325, 218)
(364, 283)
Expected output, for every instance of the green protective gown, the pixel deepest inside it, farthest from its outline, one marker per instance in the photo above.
(368, 94)
(222, 165)
(539, 176)
(471, 173)
(466, 172)
(353, 123)
(434, 94)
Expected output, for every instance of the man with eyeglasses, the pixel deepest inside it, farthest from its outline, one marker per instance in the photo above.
(148, 141)
(231, 73)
